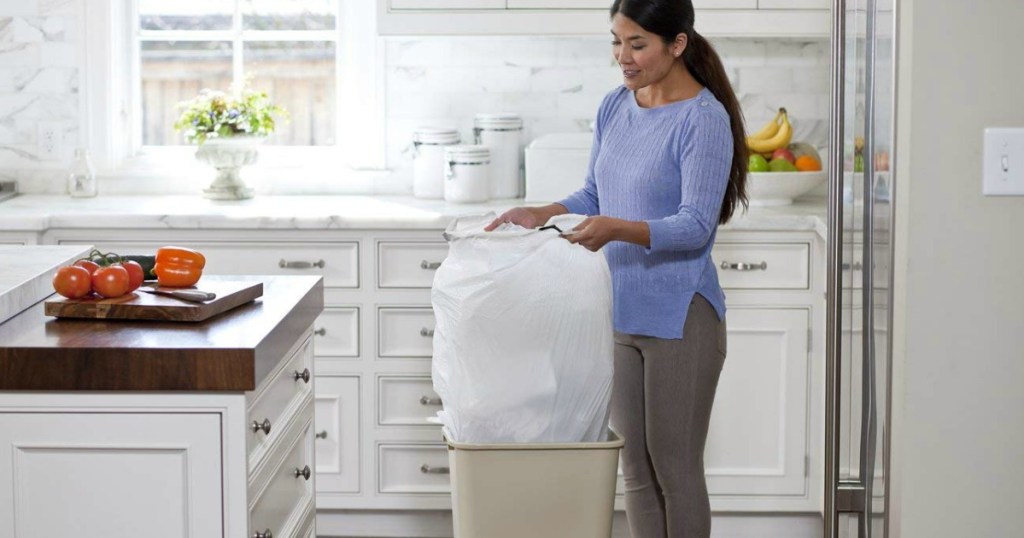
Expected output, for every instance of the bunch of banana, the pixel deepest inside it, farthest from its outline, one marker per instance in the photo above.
(774, 135)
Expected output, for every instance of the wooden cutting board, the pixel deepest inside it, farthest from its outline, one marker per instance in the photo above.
(147, 306)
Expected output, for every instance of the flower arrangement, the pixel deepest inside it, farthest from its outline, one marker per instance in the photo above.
(216, 114)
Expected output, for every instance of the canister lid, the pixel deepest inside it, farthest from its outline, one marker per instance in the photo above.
(435, 135)
(499, 120)
(467, 153)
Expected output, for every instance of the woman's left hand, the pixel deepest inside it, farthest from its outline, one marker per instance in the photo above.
(596, 232)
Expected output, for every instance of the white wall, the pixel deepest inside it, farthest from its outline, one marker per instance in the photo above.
(959, 342)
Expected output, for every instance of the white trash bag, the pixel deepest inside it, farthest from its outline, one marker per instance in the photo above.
(523, 342)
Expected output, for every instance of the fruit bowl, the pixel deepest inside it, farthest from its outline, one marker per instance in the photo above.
(780, 188)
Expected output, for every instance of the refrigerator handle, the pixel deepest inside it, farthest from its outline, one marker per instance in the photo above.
(834, 282)
(869, 408)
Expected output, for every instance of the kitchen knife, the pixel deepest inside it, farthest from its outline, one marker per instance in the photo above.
(195, 296)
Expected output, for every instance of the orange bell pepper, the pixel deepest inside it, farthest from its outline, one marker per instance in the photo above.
(178, 267)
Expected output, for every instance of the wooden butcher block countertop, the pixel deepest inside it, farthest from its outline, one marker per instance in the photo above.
(230, 352)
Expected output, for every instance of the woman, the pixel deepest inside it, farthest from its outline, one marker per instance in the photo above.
(668, 165)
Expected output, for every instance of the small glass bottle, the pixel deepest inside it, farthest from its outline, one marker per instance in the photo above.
(82, 176)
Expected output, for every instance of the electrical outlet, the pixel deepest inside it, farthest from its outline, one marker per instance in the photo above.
(49, 140)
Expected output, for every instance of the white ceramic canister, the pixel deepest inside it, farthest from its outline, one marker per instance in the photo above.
(467, 173)
(503, 134)
(428, 166)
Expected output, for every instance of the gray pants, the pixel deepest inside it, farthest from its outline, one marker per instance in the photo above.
(661, 404)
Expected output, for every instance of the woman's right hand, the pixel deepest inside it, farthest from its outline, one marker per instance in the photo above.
(527, 217)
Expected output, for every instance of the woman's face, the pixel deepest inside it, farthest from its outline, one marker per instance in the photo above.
(643, 57)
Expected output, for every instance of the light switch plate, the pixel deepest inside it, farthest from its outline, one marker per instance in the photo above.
(1003, 162)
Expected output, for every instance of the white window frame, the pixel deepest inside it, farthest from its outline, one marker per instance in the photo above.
(111, 78)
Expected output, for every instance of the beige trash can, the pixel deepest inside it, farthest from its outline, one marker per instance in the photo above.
(534, 490)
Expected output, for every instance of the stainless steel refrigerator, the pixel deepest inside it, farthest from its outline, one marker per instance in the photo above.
(860, 283)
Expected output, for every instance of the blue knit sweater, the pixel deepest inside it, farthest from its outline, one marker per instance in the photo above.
(667, 166)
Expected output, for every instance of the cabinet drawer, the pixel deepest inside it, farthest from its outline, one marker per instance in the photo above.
(336, 332)
(337, 434)
(413, 468)
(409, 264)
(338, 263)
(285, 390)
(406, 400)
(762, 265)
(406, 332)
(287, 491)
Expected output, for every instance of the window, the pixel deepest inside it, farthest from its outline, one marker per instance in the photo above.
(287, 48)
(316, 58)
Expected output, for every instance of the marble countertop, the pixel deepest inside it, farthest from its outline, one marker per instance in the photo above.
(42, 212)
(27, 272)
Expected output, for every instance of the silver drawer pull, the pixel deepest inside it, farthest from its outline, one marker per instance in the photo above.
(322, 435)
(426, 469)
(303, 375)
(426, 400)
(322, 331)
(285, 264)
(427, 333)
(256, 426)
(264, 534)
(857, 266)
(745, 266)
(429, 266)
(304, 472)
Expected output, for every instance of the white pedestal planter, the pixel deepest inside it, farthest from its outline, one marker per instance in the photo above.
(228, 156)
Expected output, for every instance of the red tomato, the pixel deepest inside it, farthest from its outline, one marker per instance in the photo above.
(88, 265)
(135, 275)
(73, 282)
(111, 281)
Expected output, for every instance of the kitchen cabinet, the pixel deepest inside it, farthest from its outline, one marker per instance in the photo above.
(162, 430)
(160, 472)
(715, 18)
(375, 449)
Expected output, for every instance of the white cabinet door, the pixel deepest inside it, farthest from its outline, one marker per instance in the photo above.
(758, 438)
(107, 475)
(444, 4)
(336, 423)
(794, 4)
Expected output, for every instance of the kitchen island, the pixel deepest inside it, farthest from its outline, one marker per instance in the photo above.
(159, 429)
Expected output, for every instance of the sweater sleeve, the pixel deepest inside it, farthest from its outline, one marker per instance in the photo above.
(705, 159)
(585, 201)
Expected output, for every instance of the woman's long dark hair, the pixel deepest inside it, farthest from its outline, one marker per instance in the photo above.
(668, 19)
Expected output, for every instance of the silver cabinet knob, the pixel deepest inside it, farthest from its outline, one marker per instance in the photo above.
(426, 400)
(429, 266)
(426, 333)
(304, 472)
(265, 426)
(745, 266)
(321, 435)
(322, 331)
(285, 264)
(426, 469)
(264, 534)
(303, 375)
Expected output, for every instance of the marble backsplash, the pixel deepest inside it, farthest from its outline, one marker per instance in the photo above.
(555, 83)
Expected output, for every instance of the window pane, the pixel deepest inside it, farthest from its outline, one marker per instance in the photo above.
(173, 72)
(289, 14)
(186, 14)
(298, 76)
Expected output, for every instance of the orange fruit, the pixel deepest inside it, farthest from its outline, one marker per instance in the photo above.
(806, 163)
